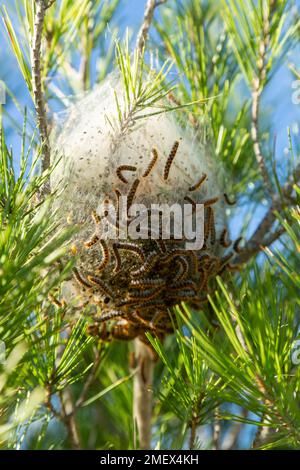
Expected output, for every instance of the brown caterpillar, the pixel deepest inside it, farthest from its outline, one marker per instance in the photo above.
(131, 193)
(109, 316)
(228, 201)
(152, 163)
(212, 228)
(117, 258)
(80, 279)
(92, 241)
(161, 245)
(199, 183)
(183, 269)
(236, 244)
(183, 285)
(55, 301)
(105, 256)
(182, 295)
(210, 202)
(131, 247)
(96, 218)
(144, 283)
(122, 168)
(170, 159)
(99, 283)
(191, 201)
(146, 266)
(147, 294)
(223, 240)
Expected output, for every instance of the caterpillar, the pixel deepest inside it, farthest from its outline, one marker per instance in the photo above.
(236, 244)
(146, 266)
(105, 256)
(80, 279)
(161, 245)
(55, 301)
(131, 193)
(117, 258)
(122, 168)
(186, 285)
(131, 247)
(170, 159)
(103, 287)
(194, 261)
(92, 241)
(144, 283)
(147, 294)
(109, 316)
(212, 228)
(228, 201)
(223, 240)
(152, 163)
(199, 183)
(183, 269)
(191, 201)
(96, 218)
(182, 295)
(210, 202)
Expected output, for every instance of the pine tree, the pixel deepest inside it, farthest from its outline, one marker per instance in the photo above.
(228, 377)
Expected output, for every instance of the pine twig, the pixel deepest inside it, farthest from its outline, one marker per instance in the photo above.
(262, 236)
(216, 431)
(193, 434)
(69, 419)
(39, 100)
(148, 17)
(256, 94)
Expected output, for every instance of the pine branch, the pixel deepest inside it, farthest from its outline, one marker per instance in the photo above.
(39, 100)
(148, 17)
(262, 236)
(258, 83)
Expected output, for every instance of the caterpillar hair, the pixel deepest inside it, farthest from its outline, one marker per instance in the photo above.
(80, 279)
(101, 284)
(199, 183)
(152, 163)
(92, 241)
(146, 266)
(228, 201)
(223, 241)
(170, 159)
(236, 245)
(105, 256)
(121, 168)
(131, 193)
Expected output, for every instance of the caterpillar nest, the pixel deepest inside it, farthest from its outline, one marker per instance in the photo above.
(131, 285)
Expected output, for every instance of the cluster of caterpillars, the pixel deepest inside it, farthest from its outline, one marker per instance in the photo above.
(139, 282)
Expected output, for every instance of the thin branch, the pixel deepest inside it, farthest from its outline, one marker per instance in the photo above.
(262, 237)
(258, 83)
(41, 7)
(68, 418)
(216, 431)
(142, 393)
(194, 424)
(148, 17)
